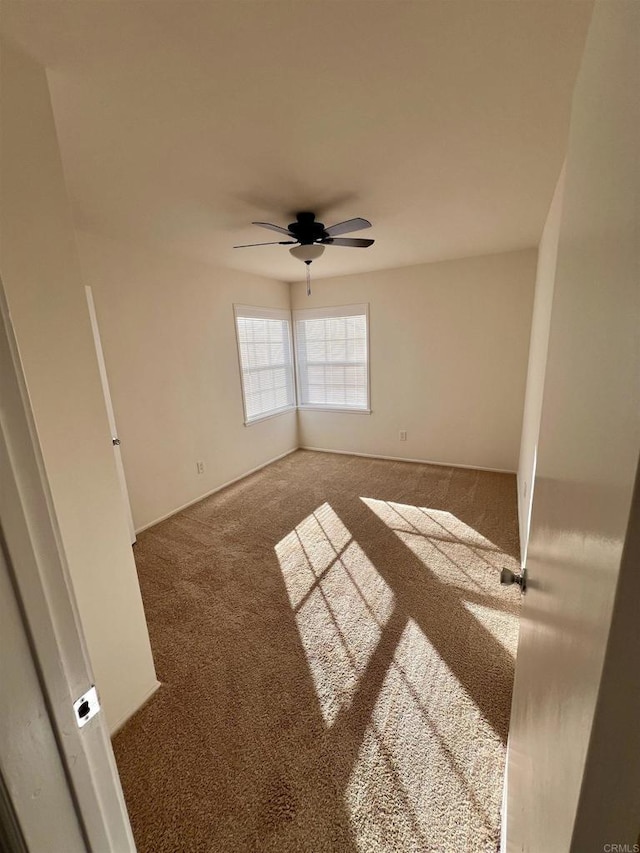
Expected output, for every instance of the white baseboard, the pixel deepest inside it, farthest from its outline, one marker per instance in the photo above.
(213, 491)
(407, 459)
(126, 717)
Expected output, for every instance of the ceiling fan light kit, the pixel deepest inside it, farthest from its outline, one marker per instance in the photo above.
(307, 253)
(310, 237)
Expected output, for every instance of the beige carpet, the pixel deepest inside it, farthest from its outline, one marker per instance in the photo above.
(336, 658)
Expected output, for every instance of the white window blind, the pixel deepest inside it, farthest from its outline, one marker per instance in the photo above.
(266, 363)
(332, 357)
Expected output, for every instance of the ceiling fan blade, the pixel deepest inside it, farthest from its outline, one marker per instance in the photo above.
(276, 243)
(274, 228)
(348, 225)
(347, 241)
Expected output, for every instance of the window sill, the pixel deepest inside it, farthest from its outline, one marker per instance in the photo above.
(270, 415)
(335, 409)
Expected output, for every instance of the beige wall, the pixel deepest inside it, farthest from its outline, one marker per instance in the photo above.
(449, 345)
(168, 335)
(542, 303)
(44, 289)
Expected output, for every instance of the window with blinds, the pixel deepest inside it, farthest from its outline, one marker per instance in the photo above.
(266, 362)
(332, 357)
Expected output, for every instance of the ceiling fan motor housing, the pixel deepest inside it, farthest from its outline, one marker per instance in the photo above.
(306, 229)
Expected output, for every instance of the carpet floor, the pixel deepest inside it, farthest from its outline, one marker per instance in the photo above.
(336, 657)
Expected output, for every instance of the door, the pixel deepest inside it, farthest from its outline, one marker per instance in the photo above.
(60, 788)
(112, 421)
(565, 793)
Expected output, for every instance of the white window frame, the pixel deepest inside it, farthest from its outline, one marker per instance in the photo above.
(329, 312)
(260, 313)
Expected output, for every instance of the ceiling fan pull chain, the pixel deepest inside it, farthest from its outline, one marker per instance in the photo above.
(308, 266)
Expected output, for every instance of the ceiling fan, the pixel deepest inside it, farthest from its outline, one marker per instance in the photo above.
(310, 237)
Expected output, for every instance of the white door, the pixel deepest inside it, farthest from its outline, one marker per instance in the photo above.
(60, 788)
(574, 746)
(112, 420)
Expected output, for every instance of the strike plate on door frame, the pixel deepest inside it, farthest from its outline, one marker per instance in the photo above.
(87, 706)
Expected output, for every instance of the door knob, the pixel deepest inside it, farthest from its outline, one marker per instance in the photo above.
(507, 577)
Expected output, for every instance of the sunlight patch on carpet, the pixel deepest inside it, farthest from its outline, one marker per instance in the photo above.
(457, 554)
(341, 605)
(434, 523)
(419, 781)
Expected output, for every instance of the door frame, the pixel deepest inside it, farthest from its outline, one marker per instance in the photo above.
(44, 592)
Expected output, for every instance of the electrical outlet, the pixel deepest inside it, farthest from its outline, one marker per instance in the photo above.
(403, 435)
(200, 467)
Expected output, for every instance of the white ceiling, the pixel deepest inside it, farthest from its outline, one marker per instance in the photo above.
(444, 123)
